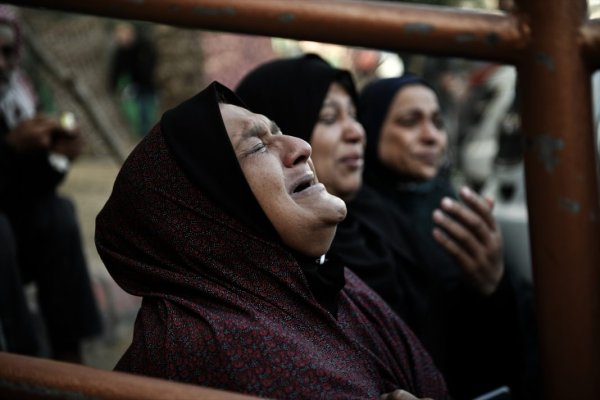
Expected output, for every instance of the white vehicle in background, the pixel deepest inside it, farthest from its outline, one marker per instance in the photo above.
(491, 159)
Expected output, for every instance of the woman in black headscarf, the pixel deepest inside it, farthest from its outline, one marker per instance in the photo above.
(219, 222)
(458, 243)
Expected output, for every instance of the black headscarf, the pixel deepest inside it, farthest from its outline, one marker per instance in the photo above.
(291, 91)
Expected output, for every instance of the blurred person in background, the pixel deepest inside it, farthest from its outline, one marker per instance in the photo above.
(132, 76)
(481, 341)
(39, 232)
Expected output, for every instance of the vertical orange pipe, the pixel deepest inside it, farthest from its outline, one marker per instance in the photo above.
(562, 196)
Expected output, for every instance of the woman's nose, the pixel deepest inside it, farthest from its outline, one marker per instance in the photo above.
(296, 150)
(431, 133)
(354, 131)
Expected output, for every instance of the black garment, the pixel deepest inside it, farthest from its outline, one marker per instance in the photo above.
(18, 328)
(371, 243)
(475, 340)
(41, 242)
(50, 253)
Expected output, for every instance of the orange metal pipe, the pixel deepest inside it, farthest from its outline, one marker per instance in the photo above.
(554, 70)
(30, 378)
(392, 26)
(562, 194)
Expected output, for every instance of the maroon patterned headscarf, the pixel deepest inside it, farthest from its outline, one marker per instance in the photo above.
(228, 307)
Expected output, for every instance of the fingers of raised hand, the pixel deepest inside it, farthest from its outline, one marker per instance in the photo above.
(479, 205)
(476, 246)
(462, 223)
(468, 258)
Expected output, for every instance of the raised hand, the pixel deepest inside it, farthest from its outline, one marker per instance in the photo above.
(471, 233)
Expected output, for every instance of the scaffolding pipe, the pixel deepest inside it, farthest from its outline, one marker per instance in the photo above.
(554, 49)
(383, 25)
(562, 196)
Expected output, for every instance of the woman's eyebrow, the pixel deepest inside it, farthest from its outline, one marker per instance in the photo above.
(253, 130)
(275, 130)
(258, 130)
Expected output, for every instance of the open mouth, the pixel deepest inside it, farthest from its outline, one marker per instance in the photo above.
(303, 184)
(301, 187)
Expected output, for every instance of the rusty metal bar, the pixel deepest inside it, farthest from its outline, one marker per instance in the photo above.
(554, 49)
(562, 194)
(433, 30)
(30, 378)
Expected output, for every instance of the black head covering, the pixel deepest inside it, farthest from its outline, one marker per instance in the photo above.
(373, 105)
(209, 161)
(291, 91)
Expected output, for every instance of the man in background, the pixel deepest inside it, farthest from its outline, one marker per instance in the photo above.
(39, 232)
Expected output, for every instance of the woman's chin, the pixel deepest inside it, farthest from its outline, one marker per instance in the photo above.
(314, 244)
(325, 206)
(338, 209)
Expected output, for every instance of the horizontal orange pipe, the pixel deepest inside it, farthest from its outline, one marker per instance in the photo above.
(31, 378)
(384, 25)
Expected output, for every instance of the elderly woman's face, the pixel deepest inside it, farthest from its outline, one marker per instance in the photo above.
(280, 173)
(413, 139)
(338, 142)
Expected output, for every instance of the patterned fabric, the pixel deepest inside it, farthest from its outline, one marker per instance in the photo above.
(228, 309)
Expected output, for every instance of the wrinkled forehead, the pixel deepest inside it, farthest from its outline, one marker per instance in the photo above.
(242, 124)
(415, 95)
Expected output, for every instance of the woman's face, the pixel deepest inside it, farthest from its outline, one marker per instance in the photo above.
(413, 140)
(280, 173)
(338, 142)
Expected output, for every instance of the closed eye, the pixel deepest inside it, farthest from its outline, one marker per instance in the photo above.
(257, 148)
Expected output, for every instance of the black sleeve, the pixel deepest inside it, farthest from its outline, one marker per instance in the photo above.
(25, 176)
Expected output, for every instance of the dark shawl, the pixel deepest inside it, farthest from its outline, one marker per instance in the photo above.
(226, 305)
(474, 339)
